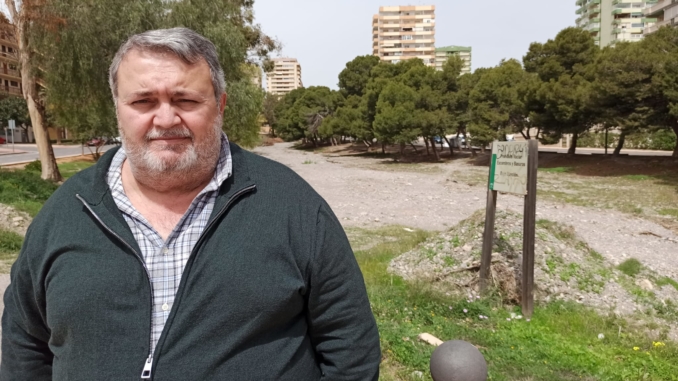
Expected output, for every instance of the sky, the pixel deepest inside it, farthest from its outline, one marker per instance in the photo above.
(326, 34)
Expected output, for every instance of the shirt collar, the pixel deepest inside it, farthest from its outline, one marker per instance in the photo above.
(223, 171)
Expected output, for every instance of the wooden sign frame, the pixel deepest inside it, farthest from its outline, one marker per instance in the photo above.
(529, 225)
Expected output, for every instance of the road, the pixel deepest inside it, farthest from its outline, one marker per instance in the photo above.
(28, 152)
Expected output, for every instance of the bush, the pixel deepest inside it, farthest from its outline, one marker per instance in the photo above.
(630, 267)
(34, 166)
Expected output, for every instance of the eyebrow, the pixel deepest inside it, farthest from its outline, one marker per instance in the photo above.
(149, 93)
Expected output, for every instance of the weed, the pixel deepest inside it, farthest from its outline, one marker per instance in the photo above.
(455, 241)
(308, 162)
(449, 261)
(630, 267)
(663, 281)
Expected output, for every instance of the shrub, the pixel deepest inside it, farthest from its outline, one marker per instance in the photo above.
(630, 267)
(34, 166)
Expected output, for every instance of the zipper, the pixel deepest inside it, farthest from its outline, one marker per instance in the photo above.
(146, 373)
(148, 365)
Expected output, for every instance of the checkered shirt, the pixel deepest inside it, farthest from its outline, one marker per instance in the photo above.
(165, 259)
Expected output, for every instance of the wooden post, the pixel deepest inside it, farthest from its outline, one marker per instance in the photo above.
(488, 238)
(529, 223)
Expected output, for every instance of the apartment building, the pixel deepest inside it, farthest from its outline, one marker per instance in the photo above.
(285, 77)
(10, 77)
(612, 21)
(404, 32)
(664, 13)
(444, 53)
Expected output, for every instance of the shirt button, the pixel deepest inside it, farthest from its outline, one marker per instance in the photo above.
(165, 251)
(165, 307)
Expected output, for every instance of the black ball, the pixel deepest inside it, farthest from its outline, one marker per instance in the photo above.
(457, 360)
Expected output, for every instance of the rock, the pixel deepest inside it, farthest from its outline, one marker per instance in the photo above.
(467, 248)
(376, 220)
(17, 219)
(645, 284)
(417, 374)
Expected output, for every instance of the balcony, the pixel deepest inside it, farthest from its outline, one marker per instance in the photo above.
(10, 90)
(658, 8)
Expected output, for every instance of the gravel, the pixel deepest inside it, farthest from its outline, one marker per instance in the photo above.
(369, 192)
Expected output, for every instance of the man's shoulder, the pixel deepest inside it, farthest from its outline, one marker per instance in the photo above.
(271, 174)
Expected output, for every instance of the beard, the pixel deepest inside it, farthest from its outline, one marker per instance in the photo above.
(173, 164)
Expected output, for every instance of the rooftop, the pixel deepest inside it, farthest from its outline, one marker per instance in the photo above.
(454, 48)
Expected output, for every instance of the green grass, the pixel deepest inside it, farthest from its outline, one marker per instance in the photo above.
(666, 281)
(69, 169)
(10, 245)
(630, 267)
(24, 190)
(638, 177)
(557, 169)
(559, 343)
(668, 212)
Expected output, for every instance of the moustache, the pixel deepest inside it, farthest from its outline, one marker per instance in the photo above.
(178, 132)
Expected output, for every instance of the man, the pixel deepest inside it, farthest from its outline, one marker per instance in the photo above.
(181, 256)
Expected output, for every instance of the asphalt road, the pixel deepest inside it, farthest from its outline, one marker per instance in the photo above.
(28, 152)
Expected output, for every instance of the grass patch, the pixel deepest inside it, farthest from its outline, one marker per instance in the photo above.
(630, 267)
(663, 281)
(559, 343)
(668, 212)
(10, 245)
(557, 169)
(638, 177)
(71, 168)
(24, 190)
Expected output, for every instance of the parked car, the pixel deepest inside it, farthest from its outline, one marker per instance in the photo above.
(2, 140)
(94, 142)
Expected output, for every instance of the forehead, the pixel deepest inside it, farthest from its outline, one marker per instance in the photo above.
(148, 68)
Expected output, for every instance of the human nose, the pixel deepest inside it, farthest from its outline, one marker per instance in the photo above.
(166, 116)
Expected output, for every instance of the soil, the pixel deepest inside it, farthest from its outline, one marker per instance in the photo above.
(367, 190)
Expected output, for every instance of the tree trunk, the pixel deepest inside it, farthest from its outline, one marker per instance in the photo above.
(58, 135)
(675, 149)
(383, 148)
(36, 111)
(449, 145)
(435, 150)
(573, 146)
(428, 153)
(414, 148)
(402, 149)
(620, 144)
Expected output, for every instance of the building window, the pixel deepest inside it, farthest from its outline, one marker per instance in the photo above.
(14, 83)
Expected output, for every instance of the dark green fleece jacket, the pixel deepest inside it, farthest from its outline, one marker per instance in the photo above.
(271, 291)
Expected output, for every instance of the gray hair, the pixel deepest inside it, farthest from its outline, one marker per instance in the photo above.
(185, 43)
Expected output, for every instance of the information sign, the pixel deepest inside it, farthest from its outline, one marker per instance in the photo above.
(508, 172)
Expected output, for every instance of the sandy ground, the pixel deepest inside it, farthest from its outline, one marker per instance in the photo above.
(369, 192)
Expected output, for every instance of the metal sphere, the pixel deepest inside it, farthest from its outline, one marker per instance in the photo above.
(457, 360)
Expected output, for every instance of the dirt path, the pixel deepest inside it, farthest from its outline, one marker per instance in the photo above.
(369, 192)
